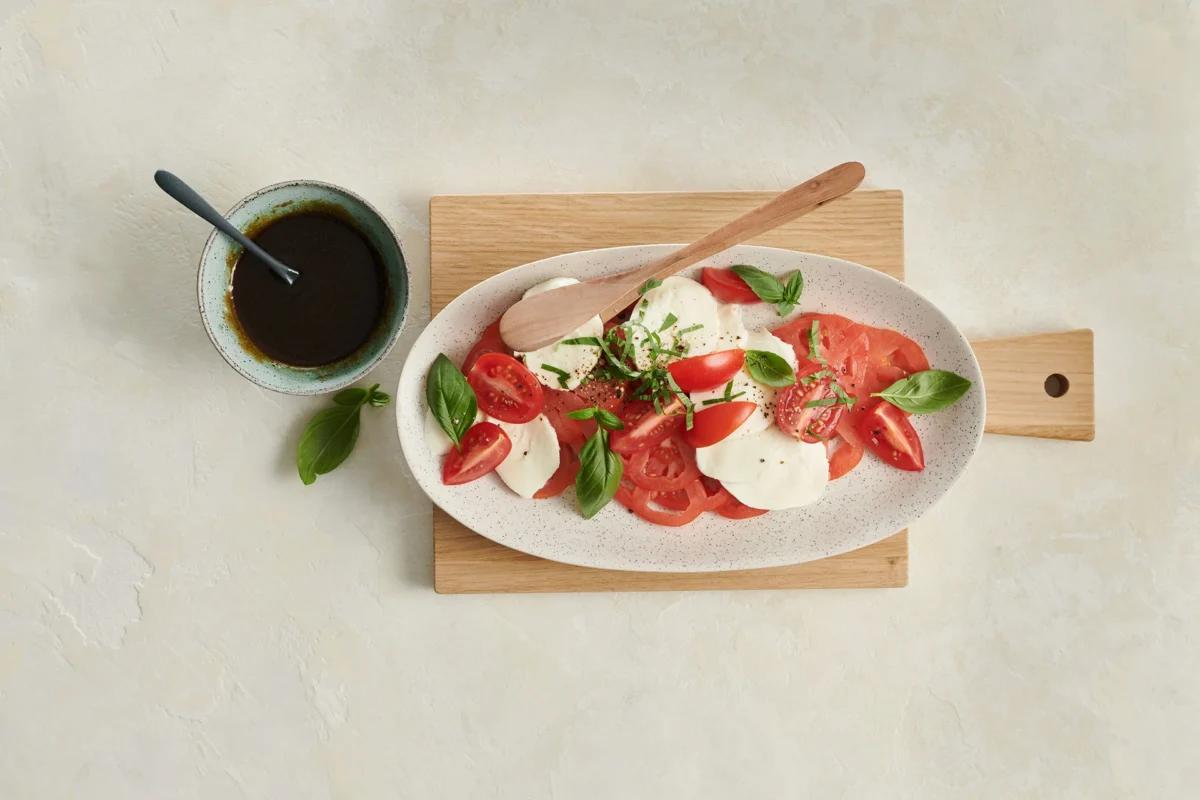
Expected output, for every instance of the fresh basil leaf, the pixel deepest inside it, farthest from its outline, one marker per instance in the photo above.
(583, 413)
(926, 392)
(599, 474)
(764, 284)
(769, 368)
(591, 341)
(450, 398)
(561, 374)
(794, 287)
(822, 403)
(376, 398)
(667, 322)
(350, 397)
(653, 283)
(327, 441)
(609, 420)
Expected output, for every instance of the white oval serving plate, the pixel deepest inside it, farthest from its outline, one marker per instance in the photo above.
(871, 503)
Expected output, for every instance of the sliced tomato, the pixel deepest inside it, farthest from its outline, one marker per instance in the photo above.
(667, 466)
(846, 453)
(645, 427)
(712, 424)
(674, 512)
(727, 286)
(708, 371)
(564, 476)
(572, 432)
(797, 417)
(609, 395)
(484, 446)
(736, 509)
(489, 342)
(887, 433)
(505, 389)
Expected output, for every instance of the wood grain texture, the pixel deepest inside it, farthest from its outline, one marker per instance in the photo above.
(1015, 371)
(474, 237)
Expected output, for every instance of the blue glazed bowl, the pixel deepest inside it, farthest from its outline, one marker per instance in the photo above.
(215, 279)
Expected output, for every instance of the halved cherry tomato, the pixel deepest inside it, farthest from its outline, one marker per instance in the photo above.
(573, 432)
(645, 427)
(609, 395)
(809, 423)
(727, 286)
(668, 466)
(489, 342)
(564, 476)
(714, 423)
(708, 371)
(484, 446)
(505, 389)
(886, 430)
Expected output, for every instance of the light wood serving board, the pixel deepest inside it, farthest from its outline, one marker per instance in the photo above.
(473, 237)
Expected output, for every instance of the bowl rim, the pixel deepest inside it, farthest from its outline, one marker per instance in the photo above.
(324, 386)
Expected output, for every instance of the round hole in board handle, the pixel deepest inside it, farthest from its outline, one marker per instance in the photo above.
(1057, 385)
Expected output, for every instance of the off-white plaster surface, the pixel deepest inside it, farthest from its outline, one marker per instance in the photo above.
(179, 617)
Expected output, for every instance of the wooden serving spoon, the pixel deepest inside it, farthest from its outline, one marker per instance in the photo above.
(547, 317)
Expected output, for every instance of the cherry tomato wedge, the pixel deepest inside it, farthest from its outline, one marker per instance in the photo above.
(564, 476)
(848, 449)
(886, 431)
(708, 371)
(668, 466)
(645, 427)
(796, 415)
(489, 342)
(714, 423)
(505, 389)
(484, 446)
(727, 286)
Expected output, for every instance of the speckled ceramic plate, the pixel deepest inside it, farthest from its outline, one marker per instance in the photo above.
(871, 503)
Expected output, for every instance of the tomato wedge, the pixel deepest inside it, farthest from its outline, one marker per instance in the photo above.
(796, 415)
(564, 476)
(714, 423)
(708, 371)
(668, 466)
(887, 432)
(505, 389)
(645, 427)
(848, 449)
(489, 342)
(484, 446)
(727, 286)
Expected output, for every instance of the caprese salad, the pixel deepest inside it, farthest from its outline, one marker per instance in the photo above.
(674, 408)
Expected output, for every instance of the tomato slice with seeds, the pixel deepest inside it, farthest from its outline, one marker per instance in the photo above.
(888, 434)
(564, 476)
(666, 467)
(484, 446)
(505, 389)
(797, 417)
(712, 424)
(708, 371)
(645, 427)
(489, 342)
(727, 286)
(609, 395)
(679, 508)
(573, 432)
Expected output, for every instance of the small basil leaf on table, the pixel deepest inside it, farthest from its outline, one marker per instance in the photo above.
(332, 433)
(925, 392)
(450, 398)
(769, 368)
(599, 474)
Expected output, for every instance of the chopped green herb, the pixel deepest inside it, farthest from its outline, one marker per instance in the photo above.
(562, 374)
(814, 339)
(690, 329)
(653, 283)
(824, 401)
(670, 320)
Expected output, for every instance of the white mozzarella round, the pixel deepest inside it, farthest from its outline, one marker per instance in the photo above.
(574, 359)
(534, 455)
(690, 304)
(733, 332)
(761, 395)
(435, 438)
(767, 469)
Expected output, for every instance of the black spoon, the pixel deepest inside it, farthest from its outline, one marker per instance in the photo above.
(193, 202)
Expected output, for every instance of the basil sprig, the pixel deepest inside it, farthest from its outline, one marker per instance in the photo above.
(769, 368)
(331, 434)
(926, 392)
(450, 398)
(604, 418)
(784, 294)
(599, 473)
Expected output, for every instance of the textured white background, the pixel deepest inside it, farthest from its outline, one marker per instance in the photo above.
(179, 617)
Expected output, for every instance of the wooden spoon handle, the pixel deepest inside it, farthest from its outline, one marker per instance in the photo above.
(795, 202)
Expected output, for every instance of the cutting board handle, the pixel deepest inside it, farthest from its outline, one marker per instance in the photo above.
(1040, 385)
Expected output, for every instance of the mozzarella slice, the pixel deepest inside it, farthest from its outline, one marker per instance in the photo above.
(534, 455)
(732, 330)
(574, 359)
(760, 394)
(690, 304)
(768, 469)
(435, 438)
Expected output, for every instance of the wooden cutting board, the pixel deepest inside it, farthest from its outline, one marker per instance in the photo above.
(475, 236)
